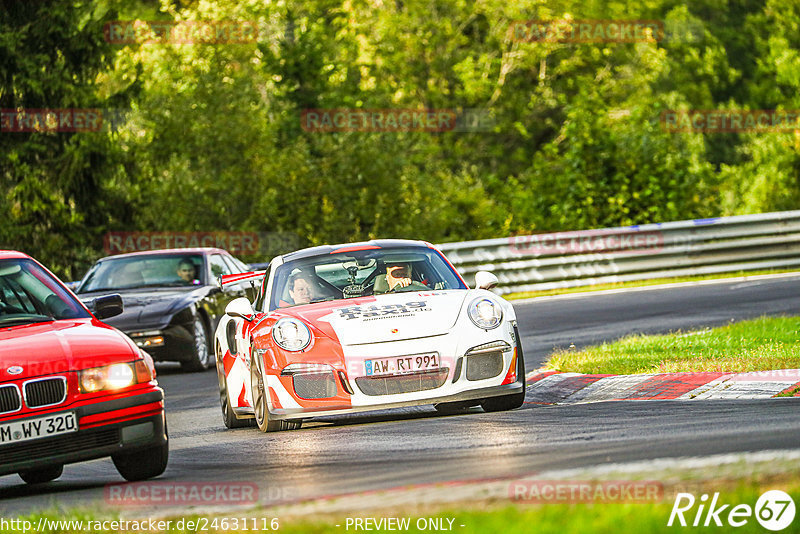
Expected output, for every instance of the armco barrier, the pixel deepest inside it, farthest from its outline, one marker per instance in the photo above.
(682, 248)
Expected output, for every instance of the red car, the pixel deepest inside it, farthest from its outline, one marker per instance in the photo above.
(71, 387)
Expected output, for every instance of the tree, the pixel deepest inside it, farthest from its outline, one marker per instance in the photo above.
(59, 189)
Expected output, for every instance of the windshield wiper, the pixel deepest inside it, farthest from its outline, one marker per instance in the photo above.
(30, 319)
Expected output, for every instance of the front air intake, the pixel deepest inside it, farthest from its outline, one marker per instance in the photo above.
(407, 383)
(314, 385)
(486, 361)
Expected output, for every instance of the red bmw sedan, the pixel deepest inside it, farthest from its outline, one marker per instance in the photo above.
(71, 387)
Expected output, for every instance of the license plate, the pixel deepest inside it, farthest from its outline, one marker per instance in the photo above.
(38, 427)
(402, 364)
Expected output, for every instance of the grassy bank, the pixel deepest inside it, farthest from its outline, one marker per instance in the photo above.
(482, 518)
(762, 344)
(642, 283)
(495, 505)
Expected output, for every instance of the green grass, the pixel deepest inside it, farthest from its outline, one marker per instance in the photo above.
(641, 283)
(587, 518)
(763, 344)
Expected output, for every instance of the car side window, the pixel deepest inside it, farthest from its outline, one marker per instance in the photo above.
(218, 266)
(233, 265)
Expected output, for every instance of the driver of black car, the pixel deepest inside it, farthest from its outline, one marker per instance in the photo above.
(186, 271)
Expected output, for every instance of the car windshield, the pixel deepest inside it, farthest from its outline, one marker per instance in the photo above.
(357, 273)
(29, 294)
(157, 270)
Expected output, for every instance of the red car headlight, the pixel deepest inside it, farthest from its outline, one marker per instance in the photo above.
(113, 377)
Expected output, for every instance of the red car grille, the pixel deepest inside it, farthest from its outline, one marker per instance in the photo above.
(408, 383)
(9, 399)
(45, 392)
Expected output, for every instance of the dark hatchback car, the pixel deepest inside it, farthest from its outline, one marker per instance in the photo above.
(172, 299)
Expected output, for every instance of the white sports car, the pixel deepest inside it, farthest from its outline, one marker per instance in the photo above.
(348, 328)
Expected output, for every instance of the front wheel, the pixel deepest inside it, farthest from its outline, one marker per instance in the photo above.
(201, 356)
(142, 464)
(40, 476)
(228, 415)
(260, 407)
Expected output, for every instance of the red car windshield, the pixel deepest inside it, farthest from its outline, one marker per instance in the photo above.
(28, 294)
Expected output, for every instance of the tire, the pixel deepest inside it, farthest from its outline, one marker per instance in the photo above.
(260, 407)
(201, 357)
(509, 402)
(142, 464)
(42, 475)
(228, 415)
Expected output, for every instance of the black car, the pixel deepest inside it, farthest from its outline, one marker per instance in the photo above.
(172, 299)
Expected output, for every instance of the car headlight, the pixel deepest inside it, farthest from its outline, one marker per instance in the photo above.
(151, 338)
(113, 377)
(484, 313)
(291, 334)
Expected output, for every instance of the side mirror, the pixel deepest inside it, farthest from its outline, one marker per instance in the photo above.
(107, 306)
(485, 280)
(240, 307)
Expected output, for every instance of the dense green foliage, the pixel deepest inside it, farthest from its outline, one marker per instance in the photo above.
(214, 142)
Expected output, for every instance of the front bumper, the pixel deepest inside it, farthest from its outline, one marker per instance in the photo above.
(106, 428)
(455, 349)
(178, 344)
(468, 395)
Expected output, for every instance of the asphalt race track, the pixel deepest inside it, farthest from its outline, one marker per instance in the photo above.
(413, 446)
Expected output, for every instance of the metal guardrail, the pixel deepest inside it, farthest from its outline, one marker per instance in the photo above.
(659, 250)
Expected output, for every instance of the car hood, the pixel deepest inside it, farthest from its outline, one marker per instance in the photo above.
(151, 307)
(393, 317)
(61, 346)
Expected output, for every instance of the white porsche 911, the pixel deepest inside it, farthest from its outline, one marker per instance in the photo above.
(348, 328)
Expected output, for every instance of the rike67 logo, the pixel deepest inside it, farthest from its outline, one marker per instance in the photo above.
(774, 511)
